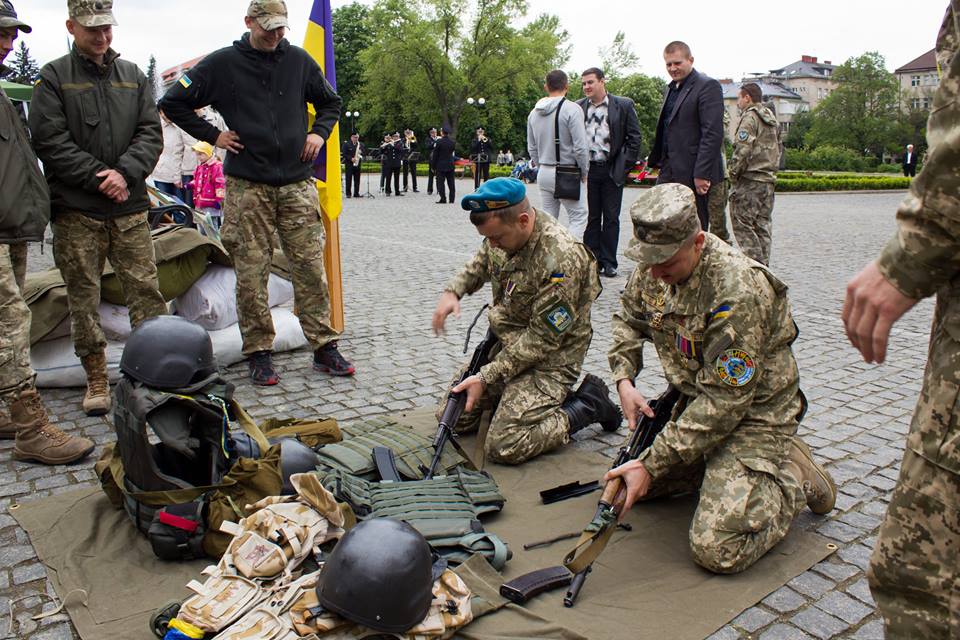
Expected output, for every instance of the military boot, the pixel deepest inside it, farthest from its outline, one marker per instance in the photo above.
(818, 487)
(39, 440)
(591, 403)
(96, 402)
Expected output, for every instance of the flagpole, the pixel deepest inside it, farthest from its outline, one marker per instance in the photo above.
(331, 262)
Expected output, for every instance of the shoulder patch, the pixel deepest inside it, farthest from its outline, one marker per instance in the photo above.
(185, 81)
(742, 135)
(558, 318)
(735, 367)
(719, 313)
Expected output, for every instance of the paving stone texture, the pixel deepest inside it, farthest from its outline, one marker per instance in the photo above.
(397, 255)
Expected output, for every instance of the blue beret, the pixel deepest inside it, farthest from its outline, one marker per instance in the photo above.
(498, 193)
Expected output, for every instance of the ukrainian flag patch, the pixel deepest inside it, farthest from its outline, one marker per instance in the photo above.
(719, 313)
(558, 318)
(185, 81)
(556, 278)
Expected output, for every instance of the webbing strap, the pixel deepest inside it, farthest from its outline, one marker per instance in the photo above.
(590, 545)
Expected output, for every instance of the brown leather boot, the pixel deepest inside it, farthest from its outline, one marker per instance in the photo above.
(8, 430)
(818, 487)
(39, 440)
(96, 402)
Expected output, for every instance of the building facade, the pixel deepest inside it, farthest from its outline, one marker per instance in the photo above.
(918, 81)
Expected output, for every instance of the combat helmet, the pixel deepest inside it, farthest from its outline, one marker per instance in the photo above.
(168, 352)
(379, 575)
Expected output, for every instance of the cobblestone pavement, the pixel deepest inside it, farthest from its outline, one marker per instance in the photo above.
(398, 253)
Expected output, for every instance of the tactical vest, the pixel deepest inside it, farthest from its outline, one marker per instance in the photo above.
(179, 489)
(446, 510)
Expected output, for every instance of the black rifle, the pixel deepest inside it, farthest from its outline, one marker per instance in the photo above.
(456, 403)
(604, 522)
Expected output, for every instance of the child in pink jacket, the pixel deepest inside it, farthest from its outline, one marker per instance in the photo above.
(209, 185)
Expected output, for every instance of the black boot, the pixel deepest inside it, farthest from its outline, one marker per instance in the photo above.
(591, 403)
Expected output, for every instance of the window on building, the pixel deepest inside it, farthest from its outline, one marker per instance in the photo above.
(914, 81)
(926, 103)
(915, 103)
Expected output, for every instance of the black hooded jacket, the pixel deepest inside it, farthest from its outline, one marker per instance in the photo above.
(263, 98)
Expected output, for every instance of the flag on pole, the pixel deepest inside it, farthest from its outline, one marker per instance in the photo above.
(318, 42)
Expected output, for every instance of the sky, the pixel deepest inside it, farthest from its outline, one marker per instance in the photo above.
(719, 33)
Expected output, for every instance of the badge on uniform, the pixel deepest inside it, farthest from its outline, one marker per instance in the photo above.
(556, 278)
(185, 82)
(742, 135)
(559, 318)
(719, 313)
(736, 367)
(687, 347)
(511, 285)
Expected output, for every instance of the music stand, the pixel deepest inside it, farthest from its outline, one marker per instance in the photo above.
(368, 194)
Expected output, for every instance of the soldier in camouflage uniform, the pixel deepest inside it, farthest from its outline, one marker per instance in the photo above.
(719, 193)
(915, 570)
(753, 171)
(544, 283)
(722, 328)
(96, 130)
(24, 213)
(261, 85)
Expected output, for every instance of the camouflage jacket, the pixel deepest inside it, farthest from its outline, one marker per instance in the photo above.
(24, 200)
(756, 147)
(923, 257)
(723, 338)
(541, 299)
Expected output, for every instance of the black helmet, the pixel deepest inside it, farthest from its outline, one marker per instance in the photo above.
(379, 575)
(168, 352)
(295, 457)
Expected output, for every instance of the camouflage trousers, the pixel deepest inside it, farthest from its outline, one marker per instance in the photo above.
(915, 569)
(81, 245)
(746, 507)
(525, 415)
(15, 370)
(717, 207)
(253, 214)
(751, 209)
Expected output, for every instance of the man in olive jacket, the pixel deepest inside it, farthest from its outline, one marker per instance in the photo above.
(24, 213)
(98, 133)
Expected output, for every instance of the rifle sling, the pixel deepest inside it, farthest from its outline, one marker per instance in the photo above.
(590, 546)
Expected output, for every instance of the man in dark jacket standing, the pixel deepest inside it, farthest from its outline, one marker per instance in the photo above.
(689, 139)
(613, 137)
(24, 212)
(261, 85)
(442, 163)
(96, 130)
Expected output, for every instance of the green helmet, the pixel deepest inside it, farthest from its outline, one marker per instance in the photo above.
(168, 352)
(379, 575)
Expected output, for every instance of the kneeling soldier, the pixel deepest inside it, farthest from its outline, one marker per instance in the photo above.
(722, 328)
(544, 283)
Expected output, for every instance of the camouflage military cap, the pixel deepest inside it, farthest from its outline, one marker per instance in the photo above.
(8, 18)
(663, 218)
(270, 14)
(91, 13)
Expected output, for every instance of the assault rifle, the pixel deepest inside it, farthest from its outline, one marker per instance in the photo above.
(579, 562)
(383, 456)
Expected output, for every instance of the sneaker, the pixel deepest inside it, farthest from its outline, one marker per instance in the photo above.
(327, 359)
(262, 372)
(818, 487)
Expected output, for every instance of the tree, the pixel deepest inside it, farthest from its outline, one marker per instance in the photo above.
(618, 59)
(25, 68)
(426, 57)
(647, 95)
(861, 113)
(152, 81)
(351, 35)
(799, 126)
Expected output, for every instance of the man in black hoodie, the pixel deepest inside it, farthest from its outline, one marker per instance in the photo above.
(261, 85)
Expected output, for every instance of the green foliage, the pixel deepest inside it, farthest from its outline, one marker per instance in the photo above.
(827, 158)
(351, 35)
(424, 59)
(799, 126)
(647, 95)
(25, 69)
(153, 83)
(861, 113)
(618, 59)
(858, 183)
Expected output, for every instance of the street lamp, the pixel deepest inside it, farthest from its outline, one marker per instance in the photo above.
(352, 117)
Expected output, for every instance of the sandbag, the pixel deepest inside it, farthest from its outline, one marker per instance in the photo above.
(57, 366)
(211, 301)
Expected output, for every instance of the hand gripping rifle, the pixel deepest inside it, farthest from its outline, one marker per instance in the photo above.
(578, 563)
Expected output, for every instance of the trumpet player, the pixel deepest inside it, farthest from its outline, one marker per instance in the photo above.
(480, 151)
(352, 152)
(392, 161)
(410, 157)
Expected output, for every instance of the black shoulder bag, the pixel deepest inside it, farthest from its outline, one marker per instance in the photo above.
(567, 185)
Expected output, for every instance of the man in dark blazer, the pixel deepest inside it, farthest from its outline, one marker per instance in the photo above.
(352, 150)
(442, 163)
(909, 162)
(689, 139)
(613, 137)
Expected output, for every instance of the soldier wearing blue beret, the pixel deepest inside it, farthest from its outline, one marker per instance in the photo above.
(543, 283)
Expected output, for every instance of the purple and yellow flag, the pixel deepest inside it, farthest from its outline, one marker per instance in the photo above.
(318, 42)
